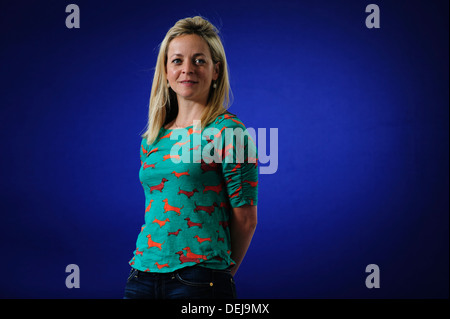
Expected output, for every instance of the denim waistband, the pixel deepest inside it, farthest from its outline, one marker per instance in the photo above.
(169, 274)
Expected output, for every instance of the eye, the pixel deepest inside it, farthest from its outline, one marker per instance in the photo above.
(200, 61)
(176, 61)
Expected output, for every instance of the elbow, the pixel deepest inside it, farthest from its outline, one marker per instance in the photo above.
(252, 223)
(248, 225)
(246, 216)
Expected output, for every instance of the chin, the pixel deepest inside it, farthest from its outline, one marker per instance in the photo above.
(187, 95)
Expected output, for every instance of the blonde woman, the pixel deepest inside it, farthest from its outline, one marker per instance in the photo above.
(198, 171)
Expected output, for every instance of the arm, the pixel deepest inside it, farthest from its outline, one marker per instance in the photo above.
(242, 227)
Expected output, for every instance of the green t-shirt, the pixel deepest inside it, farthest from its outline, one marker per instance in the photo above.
(192, 179)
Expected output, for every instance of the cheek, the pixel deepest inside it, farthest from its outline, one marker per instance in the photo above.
(172, 74)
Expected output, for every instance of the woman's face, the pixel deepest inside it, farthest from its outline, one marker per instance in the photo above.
(190, 68)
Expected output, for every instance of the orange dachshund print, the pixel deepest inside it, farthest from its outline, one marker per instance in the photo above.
(214, 188)
(175, 233)
(180, 174)
(166, 157)
(151, 243)
(190, 254)
(161, 223)
(207, 209)
(161, 266)
(201, 240)
(168, 208)
(192, 224)
(158, 187)
(148, 165)
(188, 194)
(184, 259)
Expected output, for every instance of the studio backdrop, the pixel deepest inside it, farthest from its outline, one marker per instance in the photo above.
(349, 102)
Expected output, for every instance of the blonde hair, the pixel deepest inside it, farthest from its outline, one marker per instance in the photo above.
(163, 101)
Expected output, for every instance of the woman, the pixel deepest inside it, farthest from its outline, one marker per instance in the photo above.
(200, 190)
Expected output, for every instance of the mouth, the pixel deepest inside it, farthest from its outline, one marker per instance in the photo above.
(188, 82)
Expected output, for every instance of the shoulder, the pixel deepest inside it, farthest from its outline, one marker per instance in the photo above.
(228, 120)
(144, 147)
(144, 142)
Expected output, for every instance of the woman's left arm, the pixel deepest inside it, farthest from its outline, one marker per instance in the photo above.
(242, 227)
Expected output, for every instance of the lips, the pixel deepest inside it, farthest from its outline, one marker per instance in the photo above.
(188, 81)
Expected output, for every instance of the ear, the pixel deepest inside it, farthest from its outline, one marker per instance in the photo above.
(216, 71)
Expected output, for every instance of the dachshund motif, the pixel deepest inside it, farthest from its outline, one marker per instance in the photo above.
(188, 194)
(201, 240)
(214, 188)
(148, 165)
(166, 157)
(190, 254)
(168, 207)
(175, 233)
(207, 209)
(180, 174)
(184, 259)
(152, 243)
(161, 266)
(158, 187)
(161, 223)
(192, 224)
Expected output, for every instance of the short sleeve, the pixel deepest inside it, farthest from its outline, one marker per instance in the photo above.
(239, 161)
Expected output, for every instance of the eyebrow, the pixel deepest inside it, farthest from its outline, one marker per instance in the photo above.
(179, 54)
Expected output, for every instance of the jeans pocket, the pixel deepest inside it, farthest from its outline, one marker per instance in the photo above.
(224, 284)
(195, 276)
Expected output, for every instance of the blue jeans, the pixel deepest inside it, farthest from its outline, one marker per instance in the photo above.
(194, 282)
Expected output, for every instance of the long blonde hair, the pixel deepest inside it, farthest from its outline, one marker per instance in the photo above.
(163, 106)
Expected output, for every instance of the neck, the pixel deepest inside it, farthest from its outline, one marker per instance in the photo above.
(188, 111)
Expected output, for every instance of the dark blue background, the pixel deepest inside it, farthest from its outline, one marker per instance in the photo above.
(363, 124)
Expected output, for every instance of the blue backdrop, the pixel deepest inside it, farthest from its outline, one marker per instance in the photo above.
(363, 143)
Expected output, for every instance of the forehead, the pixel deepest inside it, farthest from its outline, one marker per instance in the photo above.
(188, 44)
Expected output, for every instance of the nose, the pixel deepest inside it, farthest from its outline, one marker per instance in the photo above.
(188, 68)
